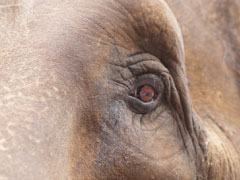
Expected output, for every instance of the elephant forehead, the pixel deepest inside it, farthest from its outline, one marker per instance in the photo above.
(149, 25)
(81, 33)
(88, 26)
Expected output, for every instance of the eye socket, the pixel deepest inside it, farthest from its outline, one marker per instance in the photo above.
(145, 93)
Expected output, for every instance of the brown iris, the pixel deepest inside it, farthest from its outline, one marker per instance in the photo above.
(145, 93)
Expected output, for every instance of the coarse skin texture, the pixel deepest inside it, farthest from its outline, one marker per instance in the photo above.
(67, 69)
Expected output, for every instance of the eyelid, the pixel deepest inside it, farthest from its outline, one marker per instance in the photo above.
(151, 79)
(148, 66)
(141, 108)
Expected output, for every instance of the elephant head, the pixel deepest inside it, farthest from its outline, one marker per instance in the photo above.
(99, 90)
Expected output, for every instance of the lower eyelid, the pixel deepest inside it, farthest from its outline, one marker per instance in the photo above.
(139, 107)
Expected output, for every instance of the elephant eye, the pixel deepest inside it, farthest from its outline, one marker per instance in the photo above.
(145, 93)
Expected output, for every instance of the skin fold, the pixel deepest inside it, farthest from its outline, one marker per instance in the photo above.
(67, 73)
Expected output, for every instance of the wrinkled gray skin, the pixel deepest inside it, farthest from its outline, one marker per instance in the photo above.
(66, 71)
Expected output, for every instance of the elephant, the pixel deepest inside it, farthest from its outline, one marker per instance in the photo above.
(120, 90)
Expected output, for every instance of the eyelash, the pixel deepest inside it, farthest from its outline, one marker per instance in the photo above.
(151, 79)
